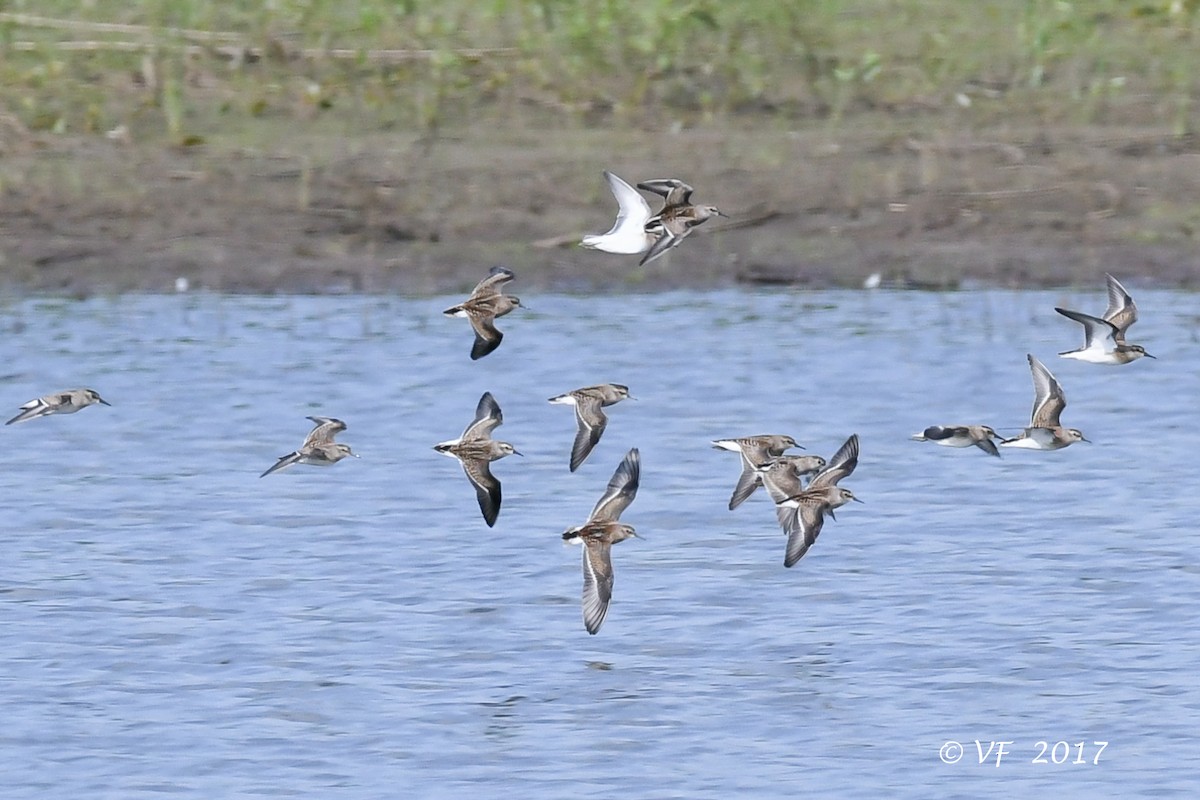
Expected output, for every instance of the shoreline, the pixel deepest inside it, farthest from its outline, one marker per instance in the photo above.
(383, 215)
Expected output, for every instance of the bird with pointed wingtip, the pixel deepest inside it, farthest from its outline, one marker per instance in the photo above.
(601, 531)
(628, 234)
(1104, 337)
(676, 219)
(65, 402)
(591, 419)
(755, 452)
(476, 450)
(802, 514)
(486, 303)
(1045, 431)
(787, 472)
(961, 436)
(319, 448)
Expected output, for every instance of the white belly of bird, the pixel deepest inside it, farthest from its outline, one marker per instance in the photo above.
(1093, 355)
(628, 243)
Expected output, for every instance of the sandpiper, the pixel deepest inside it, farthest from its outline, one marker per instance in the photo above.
(483, 306)
(802, 514)
(787, 472)
(628, 235)
(319, 448)
(65, 402)
(961, 436)
(588, 403)
(601, 531)
(1045, 431)
(755, 451)
(476, 449)
(1104, 337)
(676, 219)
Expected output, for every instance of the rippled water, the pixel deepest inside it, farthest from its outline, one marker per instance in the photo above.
(172, 625)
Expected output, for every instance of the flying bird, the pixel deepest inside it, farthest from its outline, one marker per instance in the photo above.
(486, 302)
(601, 531)
(476, 450)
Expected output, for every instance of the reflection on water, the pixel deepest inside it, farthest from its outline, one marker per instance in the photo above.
(174, 624)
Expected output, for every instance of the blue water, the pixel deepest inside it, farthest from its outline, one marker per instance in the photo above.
(173, 626)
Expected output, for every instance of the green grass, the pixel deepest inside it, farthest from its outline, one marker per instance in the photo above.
(660, 63)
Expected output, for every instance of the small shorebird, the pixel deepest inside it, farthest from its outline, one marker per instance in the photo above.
(802, 514)
(588, 403)
(755, 451)
(676, 219)
(319, 448)
(628, 235)
(1104, 337)
(961, 436)
(476, 450)
(787, 472)
(601, 531)
(1045, 431)
(65, 402)
(483, 306)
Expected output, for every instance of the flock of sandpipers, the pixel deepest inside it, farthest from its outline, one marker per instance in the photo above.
(800, 506)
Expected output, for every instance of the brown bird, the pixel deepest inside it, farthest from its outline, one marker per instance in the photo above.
(961, 436)
(802, 514)
(755, 451)
(483, 306)
(476, 450)
(600, 533)
(319, 448)
(676, 219)
(67, 402)
(592, 421)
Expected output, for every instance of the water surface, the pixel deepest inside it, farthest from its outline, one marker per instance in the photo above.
(172, 625)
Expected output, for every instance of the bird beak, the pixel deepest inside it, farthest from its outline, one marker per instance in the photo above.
(1147, 355)
(517, 452)
(1082, 439)
(105, 402)
(855, 499)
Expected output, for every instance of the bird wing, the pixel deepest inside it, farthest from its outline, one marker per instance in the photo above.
(986, 444)
(633, 211)
(487, 418)
(1094, 329)
(490, 286)
(487, 336)
(597, 582)
(1048, 398)
(326, 428)
(665, 241)
(809, 518)
(674, 191)
(748, 481)
(282, 463)
(487, 488)
(1121, 311)
(841, 464)
(591, 424)
(622, 488)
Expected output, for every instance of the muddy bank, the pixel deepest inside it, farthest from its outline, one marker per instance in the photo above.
(303, 211)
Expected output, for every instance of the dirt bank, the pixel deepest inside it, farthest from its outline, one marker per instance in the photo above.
(309, 211)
